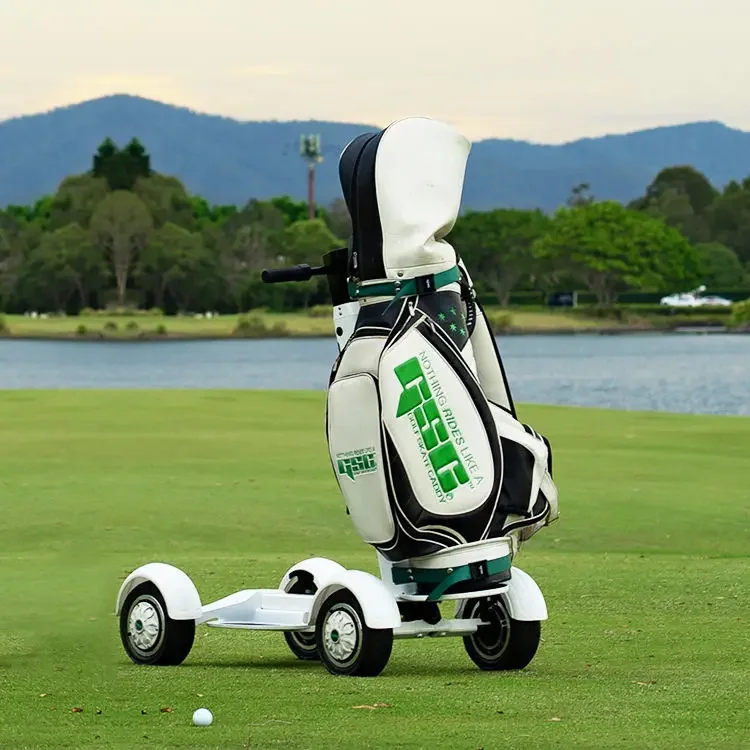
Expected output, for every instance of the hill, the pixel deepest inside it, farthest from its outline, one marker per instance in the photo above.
(228, 161)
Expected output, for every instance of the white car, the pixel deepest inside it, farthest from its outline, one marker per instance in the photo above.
(693, 298)
(679, 300)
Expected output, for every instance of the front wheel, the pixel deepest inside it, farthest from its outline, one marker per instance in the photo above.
(148, 634)
(502, 643)
(345, 644)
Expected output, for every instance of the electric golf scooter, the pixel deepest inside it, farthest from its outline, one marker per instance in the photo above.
(348, 619)
(437, 472)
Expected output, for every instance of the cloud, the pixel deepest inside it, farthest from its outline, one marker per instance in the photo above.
(261, 71)
(163, 88)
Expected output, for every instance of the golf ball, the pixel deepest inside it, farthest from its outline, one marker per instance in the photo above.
(202, 717)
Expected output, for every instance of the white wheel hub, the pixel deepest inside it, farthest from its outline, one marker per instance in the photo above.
(341, 633)
(145, 624)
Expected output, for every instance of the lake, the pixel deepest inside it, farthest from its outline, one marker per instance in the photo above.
(700, 374)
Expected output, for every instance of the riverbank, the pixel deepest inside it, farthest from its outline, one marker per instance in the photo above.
(317, 324)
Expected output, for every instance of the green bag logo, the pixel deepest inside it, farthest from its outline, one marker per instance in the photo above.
(418, 401)
(354, 463)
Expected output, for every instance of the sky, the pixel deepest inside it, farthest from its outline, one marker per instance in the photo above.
(547, 71)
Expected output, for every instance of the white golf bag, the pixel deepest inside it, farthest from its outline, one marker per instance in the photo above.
(437, 472)
(422, 431)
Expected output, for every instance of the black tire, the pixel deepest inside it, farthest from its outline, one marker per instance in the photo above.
(363, 651)
(302, 645)
(503, 644)
(160, 641)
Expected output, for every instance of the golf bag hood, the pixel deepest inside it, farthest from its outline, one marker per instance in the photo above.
(403, 188)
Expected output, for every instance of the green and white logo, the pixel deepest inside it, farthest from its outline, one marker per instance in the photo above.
(353, 463)
(445, 453)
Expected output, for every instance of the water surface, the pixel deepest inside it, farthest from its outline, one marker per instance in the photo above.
(665, 372)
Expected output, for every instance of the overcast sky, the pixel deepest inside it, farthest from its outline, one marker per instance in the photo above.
(542, 70)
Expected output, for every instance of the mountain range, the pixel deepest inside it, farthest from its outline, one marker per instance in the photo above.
(228, 161)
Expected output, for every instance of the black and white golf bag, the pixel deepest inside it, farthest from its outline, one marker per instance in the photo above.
(422, 431)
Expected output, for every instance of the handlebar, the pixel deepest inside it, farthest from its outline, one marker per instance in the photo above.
(302, 272)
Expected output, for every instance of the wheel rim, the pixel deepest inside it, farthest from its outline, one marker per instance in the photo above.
(341, 634)
(305, 641)
(491, 640)
(145, 625)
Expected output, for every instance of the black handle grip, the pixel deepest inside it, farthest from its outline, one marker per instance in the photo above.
(302, 272)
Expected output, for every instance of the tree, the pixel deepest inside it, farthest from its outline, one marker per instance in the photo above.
(729, 218)
(612, 249)
(76, 200)
(89, 267)
(247, 241)
(10, 256)
(684, 180)
(263, 213)
(681, 196)
(580, 195)
(64, 263)
(205, 215)
(720, 266)
(121, 226)
(293, 210)
(337, 218)
(306, 241)
(175, 261)
(166, 200)
(674, 209)
(139, 159)
(497, 246)
(121, 169)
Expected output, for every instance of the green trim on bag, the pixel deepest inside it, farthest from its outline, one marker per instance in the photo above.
(444, 578)
(398, 289)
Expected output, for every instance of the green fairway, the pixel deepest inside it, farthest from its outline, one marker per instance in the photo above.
(645, 574)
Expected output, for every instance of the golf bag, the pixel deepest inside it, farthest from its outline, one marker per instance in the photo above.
(422, 430)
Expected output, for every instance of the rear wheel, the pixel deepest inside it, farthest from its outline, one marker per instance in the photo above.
(502, 643)
(302, 644)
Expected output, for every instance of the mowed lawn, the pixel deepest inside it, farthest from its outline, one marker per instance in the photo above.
(646, 576)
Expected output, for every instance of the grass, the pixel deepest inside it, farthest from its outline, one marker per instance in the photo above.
(645, 576)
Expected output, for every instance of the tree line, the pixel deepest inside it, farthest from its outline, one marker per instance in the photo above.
(122, 234)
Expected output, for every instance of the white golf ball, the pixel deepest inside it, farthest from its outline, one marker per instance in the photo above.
(202, 717)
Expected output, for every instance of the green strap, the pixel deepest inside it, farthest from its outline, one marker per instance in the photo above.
(398, 289)
(444, 578)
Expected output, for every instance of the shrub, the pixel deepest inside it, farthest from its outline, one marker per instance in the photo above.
(161, 329)
(132, 326)
(3, 324)
(87, 312)
(279, 329)
(319, 311)
(741, 313)
(110, 325)
(124, 312)
(81, 330)
(250, 326)
(604, 312)
(499, 320)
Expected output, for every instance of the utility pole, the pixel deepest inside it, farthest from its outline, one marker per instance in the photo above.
(312, 153)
